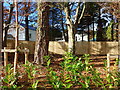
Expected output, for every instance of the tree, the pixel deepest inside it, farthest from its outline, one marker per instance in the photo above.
(42, 42)
(25, 10)
(7, 20)
(1, 44)
(114, 9)
(57, 21)
(73, 15)
(100, 28)
(73, 24)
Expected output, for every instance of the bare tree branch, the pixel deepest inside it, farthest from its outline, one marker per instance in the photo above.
(82, 13)
(67, 11)
(77, 13)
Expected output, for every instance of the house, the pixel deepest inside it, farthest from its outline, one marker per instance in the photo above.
(12, 32)
(54, 34)
(79, 37)
(32, 32)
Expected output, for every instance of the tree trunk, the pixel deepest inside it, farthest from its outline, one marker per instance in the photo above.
(42, 42)
(16, 38)
(26, 29)
(7, 25)
(71, 40)
(100, 30)
(71, 30)
(1, 39)
(119, 44)
(65, 34)
(72, 25)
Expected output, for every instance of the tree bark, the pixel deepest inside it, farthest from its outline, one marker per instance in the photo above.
(71, 36)
(42, 40)
(71, 41)
(1, 39)
(65, 34)
(73, 25)
(100, 29)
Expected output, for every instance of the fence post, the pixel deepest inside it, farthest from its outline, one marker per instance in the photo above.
(119, 41)
(118, 65)
(5, 57)
(108, 62)
(16, 37)
(15, 60)
(26, 55)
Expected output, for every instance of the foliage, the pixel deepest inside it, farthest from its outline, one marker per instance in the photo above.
(109, 31)
(72, 72)
(47, 59)
(10, 79)
(31, 71)
(77, 71)
(111, 7)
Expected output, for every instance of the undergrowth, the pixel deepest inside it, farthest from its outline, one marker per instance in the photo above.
(74, 72)
(78, 72)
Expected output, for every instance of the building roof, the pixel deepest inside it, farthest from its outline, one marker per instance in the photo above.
(29, 27)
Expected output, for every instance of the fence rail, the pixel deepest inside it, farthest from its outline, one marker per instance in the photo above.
(81, 47)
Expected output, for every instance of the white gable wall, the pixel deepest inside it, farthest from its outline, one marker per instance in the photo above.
(21, 36)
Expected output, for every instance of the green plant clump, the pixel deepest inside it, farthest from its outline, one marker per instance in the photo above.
(10, 80)
(73, 72)
(79, 72)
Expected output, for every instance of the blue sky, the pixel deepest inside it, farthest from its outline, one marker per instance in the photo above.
(105, 16)
(31, 16)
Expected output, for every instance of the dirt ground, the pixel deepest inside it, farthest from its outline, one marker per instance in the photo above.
(97, 60)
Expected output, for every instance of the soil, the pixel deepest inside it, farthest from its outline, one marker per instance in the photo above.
(97, 60)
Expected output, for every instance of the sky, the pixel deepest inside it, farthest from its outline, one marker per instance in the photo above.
(105, 16)
(31, 17)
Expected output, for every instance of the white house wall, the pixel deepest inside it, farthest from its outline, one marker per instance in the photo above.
(21, 36)
(79, 37)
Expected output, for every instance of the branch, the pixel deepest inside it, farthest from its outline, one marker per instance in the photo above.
(77, 13)
(67, 11)
(10, 14)
(82, 13)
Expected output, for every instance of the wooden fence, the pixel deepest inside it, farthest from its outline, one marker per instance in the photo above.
(81, 47)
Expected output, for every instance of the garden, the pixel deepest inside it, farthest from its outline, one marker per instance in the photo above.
(67, 72)
(59, 45)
